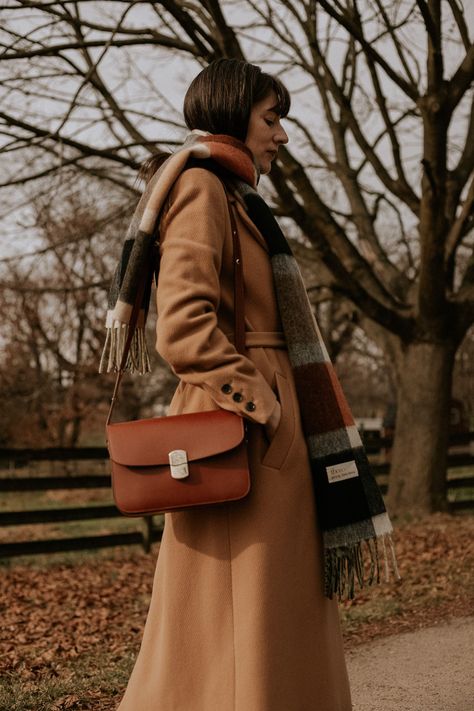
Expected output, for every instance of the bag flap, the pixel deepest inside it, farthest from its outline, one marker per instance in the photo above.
(200, 434)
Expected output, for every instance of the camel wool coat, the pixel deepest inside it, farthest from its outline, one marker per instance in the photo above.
(238, 620)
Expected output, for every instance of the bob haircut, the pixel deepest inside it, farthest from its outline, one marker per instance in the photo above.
(220, 98)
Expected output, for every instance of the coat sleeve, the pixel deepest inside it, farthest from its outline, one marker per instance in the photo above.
(192, 231)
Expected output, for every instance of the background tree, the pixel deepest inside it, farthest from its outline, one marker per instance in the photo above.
(52, 307)
(382, 105)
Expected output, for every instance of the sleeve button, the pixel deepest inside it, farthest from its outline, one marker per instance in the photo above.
(238, 397)
(226, 388)
(250, 406)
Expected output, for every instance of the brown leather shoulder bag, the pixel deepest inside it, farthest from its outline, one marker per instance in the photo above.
(171, 463)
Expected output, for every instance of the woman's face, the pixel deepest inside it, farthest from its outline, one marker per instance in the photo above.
(265, 133)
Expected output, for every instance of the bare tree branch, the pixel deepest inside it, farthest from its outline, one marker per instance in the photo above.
(327, 82)
(391, 29)
(461, 23)
(465, 165)
(456, 232)
(432, 27)
(230, 45)
(382, 103)
(350, 268)
(346, 21)
(54, 50)
(461, 79)
(87, 150)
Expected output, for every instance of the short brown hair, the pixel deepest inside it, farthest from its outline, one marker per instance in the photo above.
(220, 98)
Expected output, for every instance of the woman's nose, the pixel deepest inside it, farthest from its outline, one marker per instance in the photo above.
(282, 136)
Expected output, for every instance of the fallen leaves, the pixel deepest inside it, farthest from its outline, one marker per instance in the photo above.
(70, 631)
(71, 622)
(436, 560)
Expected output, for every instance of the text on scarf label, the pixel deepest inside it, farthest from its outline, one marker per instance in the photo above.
(339, 472)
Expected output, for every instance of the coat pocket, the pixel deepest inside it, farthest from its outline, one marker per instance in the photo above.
(281, 442)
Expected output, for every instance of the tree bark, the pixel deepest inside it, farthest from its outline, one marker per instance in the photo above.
(417, 482)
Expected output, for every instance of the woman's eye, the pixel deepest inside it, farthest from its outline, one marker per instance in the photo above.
(269, 122)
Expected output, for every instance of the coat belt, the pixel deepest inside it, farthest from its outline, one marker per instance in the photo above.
(263, 339)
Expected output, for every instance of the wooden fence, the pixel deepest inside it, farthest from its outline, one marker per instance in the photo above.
(13, 459)
(461, 454)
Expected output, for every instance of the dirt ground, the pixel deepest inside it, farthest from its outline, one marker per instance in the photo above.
(430, 669)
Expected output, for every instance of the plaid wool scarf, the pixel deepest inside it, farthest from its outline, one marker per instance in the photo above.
(350, 506)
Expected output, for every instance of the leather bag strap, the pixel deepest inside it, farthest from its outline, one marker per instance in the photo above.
(239, 294)
(153, 268)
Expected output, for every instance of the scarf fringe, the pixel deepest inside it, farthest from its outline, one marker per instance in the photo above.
(138, 360)
(345, 564)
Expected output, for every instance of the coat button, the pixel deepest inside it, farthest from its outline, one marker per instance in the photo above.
(238, 397)
(250, 406)
(226, 388)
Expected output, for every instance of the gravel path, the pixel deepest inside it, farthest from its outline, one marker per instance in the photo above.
(430, 669)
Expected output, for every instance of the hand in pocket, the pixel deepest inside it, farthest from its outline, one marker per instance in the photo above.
(272, 425)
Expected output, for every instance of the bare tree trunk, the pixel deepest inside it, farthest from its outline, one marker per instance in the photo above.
(417, 481)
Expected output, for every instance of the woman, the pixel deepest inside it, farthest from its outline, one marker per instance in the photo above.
(238, 619)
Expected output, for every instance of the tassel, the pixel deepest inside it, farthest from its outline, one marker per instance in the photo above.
(138, 360)
(112, 346)
(103, 368)
(385, 560)
(344, 564)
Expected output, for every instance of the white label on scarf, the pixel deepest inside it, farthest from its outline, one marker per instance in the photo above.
(339, 472)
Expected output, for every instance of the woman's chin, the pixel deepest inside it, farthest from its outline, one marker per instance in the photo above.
(265, 167)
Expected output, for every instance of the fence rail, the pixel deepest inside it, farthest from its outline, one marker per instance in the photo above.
(13, 459)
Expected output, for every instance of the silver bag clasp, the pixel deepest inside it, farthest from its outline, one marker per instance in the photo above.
(179, 464)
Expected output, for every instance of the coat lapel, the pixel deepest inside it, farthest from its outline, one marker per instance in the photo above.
(243, 216)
